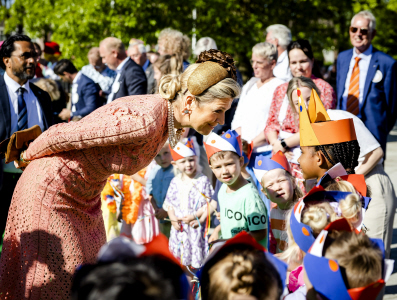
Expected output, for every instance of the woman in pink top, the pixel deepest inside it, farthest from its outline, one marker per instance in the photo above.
(55, 222)
(282, 128)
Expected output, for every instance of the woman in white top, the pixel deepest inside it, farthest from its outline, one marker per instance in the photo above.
(254, 104)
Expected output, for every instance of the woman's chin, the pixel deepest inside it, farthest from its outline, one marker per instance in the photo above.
(204, 131)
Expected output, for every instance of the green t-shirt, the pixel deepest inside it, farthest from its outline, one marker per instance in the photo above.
(242, 210)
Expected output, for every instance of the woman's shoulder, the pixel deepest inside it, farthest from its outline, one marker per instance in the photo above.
(281, 90)
(145, 103)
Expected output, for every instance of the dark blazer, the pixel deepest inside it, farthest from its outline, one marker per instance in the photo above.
(89, 100)
(5, 110)
(151, 82)
(378, 109)
(132, 80)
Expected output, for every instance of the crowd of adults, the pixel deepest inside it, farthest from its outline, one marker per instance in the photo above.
(31, 93)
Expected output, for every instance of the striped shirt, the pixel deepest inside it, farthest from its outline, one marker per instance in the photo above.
(278, 222)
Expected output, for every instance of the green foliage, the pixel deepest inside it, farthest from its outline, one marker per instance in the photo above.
(236, 25)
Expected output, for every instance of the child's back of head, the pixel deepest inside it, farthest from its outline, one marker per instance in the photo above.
(244, 272)
(357, 255)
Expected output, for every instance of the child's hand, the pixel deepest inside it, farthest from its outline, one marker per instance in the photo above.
(161, 214)
(194, 224)
(187, 219)
(218, 215)
(213, 236)
(176, 225)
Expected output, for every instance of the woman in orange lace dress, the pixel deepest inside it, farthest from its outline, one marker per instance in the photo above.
(55, 222)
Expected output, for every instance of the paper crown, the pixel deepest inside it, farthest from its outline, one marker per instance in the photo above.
(247, 157)
(316, 127)
(229, 141)
(242, 240)
(357, 180)
(302, 233)
(334, 288)
(264, 164)
(183, 150)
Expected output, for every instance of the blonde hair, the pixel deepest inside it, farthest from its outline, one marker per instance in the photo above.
(174, 42)
(94, 52)
(50, 86)
(298, 82)
(112, 43)
(352, 204)
(357, 255)
(266, 51)
(169, 64)
(318, 216)
(244, 273)
(173, 86)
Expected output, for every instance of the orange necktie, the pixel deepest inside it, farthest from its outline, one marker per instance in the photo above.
(352, 104)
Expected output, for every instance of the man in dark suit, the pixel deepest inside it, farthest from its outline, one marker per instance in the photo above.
(130, 79)
(137, 52)
(85, 92)
(367, 87)
(22, 105)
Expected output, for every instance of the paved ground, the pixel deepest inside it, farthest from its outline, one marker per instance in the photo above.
(391, 170)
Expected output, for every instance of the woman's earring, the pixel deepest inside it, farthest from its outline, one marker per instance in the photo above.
(187, 112)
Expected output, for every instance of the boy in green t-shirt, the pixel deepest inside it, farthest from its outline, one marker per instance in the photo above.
(241, 207)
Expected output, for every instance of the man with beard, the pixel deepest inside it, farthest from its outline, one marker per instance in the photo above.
(22, 105)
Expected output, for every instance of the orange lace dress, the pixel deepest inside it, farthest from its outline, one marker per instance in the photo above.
(55, 221)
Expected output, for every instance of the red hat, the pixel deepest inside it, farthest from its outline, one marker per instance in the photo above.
(52, 48)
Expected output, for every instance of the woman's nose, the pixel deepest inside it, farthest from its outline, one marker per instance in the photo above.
(221, 119)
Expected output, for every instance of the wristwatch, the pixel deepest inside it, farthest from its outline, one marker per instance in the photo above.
(284, 144)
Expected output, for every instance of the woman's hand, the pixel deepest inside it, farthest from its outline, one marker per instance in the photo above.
(176, 225)
(289, 155)
(277, 147)
(187, 219)
(21, 164)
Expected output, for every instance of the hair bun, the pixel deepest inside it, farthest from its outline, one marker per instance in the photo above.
(169, 86)
(222, 58)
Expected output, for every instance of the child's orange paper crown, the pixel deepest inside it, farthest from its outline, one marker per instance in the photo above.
(316, 127)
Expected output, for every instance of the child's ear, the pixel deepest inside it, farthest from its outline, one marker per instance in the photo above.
(241, 161)
(173, 163)
(322, 161)
(264, 191)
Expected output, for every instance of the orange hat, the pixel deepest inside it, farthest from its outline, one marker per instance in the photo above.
(316, 127)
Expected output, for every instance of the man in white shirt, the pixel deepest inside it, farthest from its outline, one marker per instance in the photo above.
(130, 79)
(280, 36)
(22, 105)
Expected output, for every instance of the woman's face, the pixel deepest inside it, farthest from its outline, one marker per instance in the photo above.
(306, 92)
(263, 69)
(206, 116)
(300, 64)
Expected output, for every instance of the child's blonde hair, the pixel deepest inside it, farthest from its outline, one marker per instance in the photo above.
(356, 254)
(244, 272)
(318, 216)
(352, 204)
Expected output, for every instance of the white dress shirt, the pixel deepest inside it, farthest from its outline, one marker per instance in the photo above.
(363, 65)
(281, 70)
(116, 83)
(253, 109)
(75, 96)
(34, 111)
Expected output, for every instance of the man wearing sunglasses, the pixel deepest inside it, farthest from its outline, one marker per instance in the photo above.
(367, 87)
(22, 105)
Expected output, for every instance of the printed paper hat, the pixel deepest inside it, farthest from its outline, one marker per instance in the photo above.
(183, 150)
(229, 141)
(357, 180)
(242, 240)
(264, 164)
(303, 234)
(334, 287)
(250, 148)
(316, 127)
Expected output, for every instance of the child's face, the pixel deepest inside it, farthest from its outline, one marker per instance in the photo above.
(187, 165)
(227, 169)
(164, 158)
(308, 162)
(278, 187)
(305, 94)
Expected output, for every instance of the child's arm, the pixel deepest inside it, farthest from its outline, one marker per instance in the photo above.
(215, 235)
(174, 219)
(259, 235)
(139, 179)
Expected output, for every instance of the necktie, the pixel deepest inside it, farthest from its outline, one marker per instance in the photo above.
(22, 110)
(353, 103)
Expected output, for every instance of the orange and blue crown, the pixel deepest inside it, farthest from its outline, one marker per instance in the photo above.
(183, 150)
(327, 276)
(240, 241)
(264, 164)
(229, 141)
(302, 233)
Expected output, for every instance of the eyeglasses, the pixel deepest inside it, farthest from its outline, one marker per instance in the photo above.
(364, 31)
(27, 55)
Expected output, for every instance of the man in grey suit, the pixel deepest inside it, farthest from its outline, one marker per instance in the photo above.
(137, 52)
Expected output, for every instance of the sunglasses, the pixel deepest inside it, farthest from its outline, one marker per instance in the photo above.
(364, 31)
